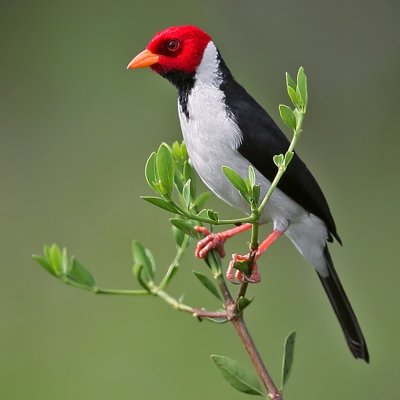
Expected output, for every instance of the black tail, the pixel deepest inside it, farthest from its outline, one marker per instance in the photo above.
(344, 312)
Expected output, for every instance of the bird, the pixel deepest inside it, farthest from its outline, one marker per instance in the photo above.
(223, 125)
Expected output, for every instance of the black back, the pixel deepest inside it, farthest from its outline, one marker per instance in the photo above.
(262, 139)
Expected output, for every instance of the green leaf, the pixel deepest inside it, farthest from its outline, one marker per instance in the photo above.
(64, 262)
(256, 193)
(202, 199)
(252, 175)
(168, 277)
(288, 356)
(162, 203)
(287, 116)
(208, 284)
(302, 87)
(212, 215)
(290, 82)
(143, 256)
(176, 150)
(54, 257)
(178, 235)
(242, 266)
(217, 320)
(79, 274)
(151, 172)
(237, 181)
(238, 376)
(293, 96)
(165, 168)
(279, 159)
(186, 193)
(288, 157)
(243, 302)
(185, 226)
(45, 264)
(189, 173)
(138, 272)
(179, 152)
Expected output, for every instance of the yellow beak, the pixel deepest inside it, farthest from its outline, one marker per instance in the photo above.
(143, 59)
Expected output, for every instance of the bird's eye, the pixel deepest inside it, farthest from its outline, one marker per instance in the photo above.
(173, 45)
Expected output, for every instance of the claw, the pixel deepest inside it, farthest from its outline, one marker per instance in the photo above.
(210, 242)
(236, 276)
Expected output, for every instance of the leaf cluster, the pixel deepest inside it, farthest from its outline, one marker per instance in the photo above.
(71, 271)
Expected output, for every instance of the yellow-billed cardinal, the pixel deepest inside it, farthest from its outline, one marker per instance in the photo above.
(223, 125)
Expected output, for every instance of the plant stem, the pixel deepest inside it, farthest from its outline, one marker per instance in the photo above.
(282, 168)
(239, 324)
(125, 292)
(244, 334)
(175, 263)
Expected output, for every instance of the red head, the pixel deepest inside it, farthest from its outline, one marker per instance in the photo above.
(178, 48)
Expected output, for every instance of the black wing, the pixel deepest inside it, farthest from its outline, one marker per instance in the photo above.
(262, 140)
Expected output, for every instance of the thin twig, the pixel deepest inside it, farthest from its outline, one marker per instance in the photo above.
(255, 357)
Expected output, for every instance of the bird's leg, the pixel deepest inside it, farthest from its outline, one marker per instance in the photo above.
(234, 275)
(216, 241)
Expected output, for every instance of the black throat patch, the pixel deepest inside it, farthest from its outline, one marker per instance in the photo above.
(184, 82)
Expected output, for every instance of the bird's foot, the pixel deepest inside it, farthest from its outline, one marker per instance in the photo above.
(210, 242)
(235, 275)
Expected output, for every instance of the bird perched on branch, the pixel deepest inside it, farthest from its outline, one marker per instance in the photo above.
(223, 125)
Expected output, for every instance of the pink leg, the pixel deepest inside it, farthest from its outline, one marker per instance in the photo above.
(271, 238)
(255, 277)
(216, 240)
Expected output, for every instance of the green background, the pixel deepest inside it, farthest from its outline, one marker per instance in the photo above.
(76, 130)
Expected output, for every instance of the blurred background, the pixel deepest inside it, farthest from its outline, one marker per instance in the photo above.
(76, 129)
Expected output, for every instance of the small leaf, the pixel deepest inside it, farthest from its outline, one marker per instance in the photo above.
(256, 193)
(279, 159)
(189, 173)
(217, 320)
(212, 215)
(151, 171)
(302, 87)
(288, 356)
(293, 96)
(64, 262)
(162, 203)
(243, 302)
(176, 150)
(290, 82)
(168, 277)
(79, 274)
(165, 168)
(252, 175)
(184, 226)
(237, 181)
(143, 256)
(238, 376)
(45, 264)
(288, 157)
(287, 116)
(138, 271)
(208, 284)
(178, 235)
(186, 193)
(202, 199)
(54, 254)
(242, 266)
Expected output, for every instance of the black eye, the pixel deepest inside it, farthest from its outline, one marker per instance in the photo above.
(173, 45)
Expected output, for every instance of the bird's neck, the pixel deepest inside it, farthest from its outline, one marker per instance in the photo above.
(212, 71)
